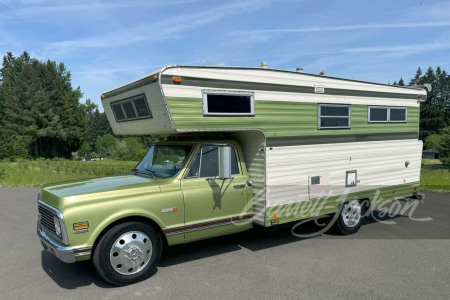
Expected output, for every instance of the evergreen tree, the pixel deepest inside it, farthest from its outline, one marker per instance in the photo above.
(435, 111)
(98, 127)
(41, 115)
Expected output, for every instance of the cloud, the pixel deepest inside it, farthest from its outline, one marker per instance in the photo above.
(167, 29)
(415, 24)
(400, 50)
(405, 49)
(213, 63)
(434, 11)
(34, 11)
(3, 44)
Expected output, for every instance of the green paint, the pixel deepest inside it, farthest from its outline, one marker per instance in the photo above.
(279, 119)
(307, 209)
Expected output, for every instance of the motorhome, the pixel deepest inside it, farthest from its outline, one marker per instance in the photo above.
(240, 147)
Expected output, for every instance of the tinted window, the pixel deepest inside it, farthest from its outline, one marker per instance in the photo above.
(333, 122)
(206, 163)
(334, 111)
(118, 112)
(387, 114)
(334, 116)
(228, 104)
(129, 110)
(398, 114)
(141, 107)
(378, 114)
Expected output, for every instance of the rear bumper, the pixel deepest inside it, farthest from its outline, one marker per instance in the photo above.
(65, 253)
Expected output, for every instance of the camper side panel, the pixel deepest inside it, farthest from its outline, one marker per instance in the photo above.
(285, 114)
(302, 174)
(158, 123)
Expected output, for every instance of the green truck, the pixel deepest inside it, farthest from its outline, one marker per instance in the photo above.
(242, 147)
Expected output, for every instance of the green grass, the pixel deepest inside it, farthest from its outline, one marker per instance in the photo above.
(429, 162)
(434, 179)
(39, 172)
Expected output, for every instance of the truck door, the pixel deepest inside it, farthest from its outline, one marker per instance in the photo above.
(214, 206)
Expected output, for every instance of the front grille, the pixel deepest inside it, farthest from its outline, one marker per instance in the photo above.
(47, 221)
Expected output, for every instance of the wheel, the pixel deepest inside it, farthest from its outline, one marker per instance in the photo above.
(127, 253)
(350, 217)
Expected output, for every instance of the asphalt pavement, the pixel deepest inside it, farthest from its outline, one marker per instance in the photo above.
(402, 251)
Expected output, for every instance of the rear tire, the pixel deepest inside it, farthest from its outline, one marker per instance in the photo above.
(350, 217)
(127, 253)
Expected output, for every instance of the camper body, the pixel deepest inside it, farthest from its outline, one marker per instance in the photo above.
(242, 147)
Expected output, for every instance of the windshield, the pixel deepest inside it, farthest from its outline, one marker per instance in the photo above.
(163, 160)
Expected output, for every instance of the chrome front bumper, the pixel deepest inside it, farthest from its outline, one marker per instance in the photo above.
(65, 253)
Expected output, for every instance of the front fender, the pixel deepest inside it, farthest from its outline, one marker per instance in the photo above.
(102, 214)
(120, 216)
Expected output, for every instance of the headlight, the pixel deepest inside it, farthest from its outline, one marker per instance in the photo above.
(57, 226)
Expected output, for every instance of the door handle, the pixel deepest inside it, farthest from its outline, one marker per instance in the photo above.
(239, 186)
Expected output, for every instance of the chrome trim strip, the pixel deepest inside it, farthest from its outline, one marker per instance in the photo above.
(206, 225)
(82, 251)
(217, 225)
(64, 240)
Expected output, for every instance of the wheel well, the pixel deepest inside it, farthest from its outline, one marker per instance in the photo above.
(131, 219)
(365, 202)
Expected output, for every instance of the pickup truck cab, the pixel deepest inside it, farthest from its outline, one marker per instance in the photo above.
(178, 193)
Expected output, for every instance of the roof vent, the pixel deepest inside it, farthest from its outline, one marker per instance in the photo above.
(264, 65)
(322, 73)
(300, 69)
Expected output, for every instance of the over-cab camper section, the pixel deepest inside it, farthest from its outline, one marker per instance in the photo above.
(304, 136)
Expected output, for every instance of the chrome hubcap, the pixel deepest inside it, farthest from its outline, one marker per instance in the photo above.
(130, 253)
(351, 213)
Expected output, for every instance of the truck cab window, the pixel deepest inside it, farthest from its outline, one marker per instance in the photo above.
(163, 160)
(206, 163)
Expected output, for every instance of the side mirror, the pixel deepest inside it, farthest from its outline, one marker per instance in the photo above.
(225, 162)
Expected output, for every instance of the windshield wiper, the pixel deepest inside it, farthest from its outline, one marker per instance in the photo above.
(145, 172)
(151, 172)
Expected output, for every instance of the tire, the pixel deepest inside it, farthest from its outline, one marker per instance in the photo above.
(350, 217)
(127, 253)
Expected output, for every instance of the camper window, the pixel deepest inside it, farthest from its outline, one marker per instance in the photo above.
(228, 103)
(386, 114)
(131, 109)
(334, 116)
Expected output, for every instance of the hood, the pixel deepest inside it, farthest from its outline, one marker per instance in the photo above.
(74, 192)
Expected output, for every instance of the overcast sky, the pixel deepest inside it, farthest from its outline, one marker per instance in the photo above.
(107, 43)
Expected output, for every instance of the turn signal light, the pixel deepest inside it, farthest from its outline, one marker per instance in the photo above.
(176, 79)
(81, 225)
(154, 78)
